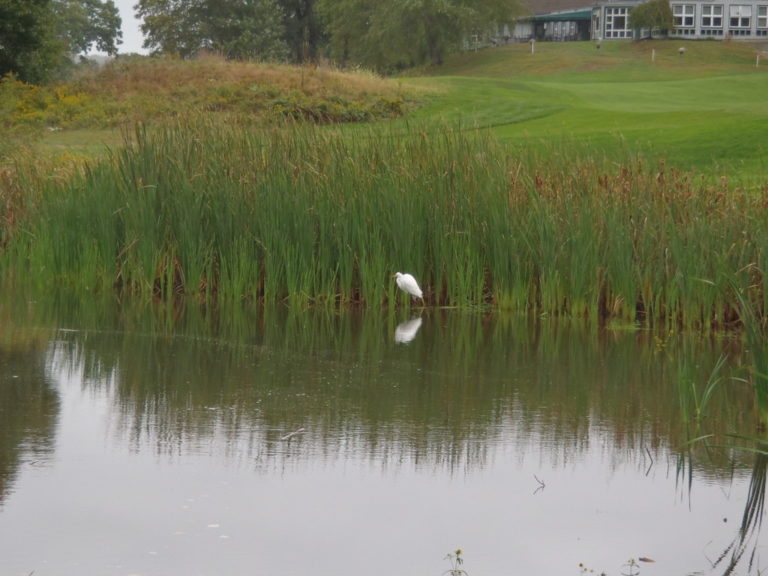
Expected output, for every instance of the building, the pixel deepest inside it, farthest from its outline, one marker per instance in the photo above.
(728, 19)
(562, 20)
(556, 20)
(693, 19)
(563, 26)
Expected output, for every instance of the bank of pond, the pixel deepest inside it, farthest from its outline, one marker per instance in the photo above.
(318, 217)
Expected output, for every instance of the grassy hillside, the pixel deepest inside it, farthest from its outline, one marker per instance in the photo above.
(89, 111)
(134, 88)
(622, 60)
(700, 111)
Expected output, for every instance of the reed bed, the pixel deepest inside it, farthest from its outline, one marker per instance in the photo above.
(321, 216)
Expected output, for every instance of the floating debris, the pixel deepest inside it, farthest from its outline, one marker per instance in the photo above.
(292, 434)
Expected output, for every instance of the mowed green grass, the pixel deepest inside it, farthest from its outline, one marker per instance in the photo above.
(703, 111)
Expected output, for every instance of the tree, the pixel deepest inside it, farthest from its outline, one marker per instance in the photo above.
(83, 25)
(38, 37)
(347, 24)
(303, 32)
(165, 28)
(241, 29)
(652, 15)
(399, 33)
(27, 41)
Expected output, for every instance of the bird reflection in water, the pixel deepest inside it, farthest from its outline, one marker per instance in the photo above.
(406, 331)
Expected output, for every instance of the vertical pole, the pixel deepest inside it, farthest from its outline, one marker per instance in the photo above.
(653, 55)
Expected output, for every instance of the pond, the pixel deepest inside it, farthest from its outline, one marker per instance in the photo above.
(166, 440)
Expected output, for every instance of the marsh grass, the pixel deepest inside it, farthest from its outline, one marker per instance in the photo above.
(314, 216)
(694, 399)
(748, 290)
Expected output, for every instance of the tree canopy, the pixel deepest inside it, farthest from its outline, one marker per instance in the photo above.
(303, 31)
(381, 35)
(26, 38)
(652, 15)
(39, 36)
(400, 33)
(36, 36)
(85, 25)
(243, 29)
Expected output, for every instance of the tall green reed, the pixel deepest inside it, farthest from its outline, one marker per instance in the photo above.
(324, 217)
(749, 296)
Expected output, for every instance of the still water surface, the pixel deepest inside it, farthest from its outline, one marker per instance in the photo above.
(169, 442)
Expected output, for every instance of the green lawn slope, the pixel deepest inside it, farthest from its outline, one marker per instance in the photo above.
(702, 110)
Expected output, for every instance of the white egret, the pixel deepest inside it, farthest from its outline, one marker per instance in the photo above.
(408, 284)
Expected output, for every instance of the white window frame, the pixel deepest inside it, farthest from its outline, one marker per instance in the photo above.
(739, 16)
(615, 15)
(684, 15)
(712, 16)
(762, 17)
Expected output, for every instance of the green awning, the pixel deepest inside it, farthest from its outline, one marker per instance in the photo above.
(574, 16)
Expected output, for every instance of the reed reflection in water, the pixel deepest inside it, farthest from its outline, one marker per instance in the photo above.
(316, 443)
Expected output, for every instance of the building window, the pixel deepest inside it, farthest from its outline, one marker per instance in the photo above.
(762, 17)
(712, 16)
(617, 22)
(683, 15)
(740, 19)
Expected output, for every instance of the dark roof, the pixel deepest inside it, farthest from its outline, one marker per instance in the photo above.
(549, 6)
(572, 16)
